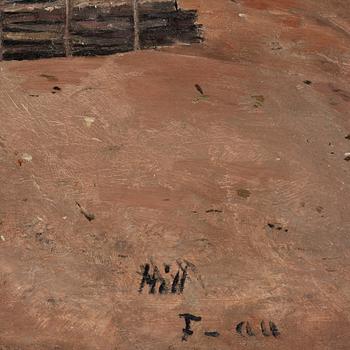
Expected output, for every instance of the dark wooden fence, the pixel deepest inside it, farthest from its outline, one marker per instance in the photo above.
(30, 29)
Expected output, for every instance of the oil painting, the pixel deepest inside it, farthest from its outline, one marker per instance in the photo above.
(174, 174)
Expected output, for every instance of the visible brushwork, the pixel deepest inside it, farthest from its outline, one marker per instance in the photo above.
(32, 29)
(273, 329)
(158, 283)
(187, 331)
(213, 334)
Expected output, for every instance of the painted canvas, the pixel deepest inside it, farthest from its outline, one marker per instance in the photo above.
(174, 174)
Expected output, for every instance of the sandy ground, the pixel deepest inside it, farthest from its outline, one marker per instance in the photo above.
(110, 163)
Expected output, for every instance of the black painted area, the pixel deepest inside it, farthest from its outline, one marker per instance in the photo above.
(214, 334)
(33, 33)
(187, 331)
(27, 1)
(274, 329)
(239, 327)
(19, 50)
(155, 281)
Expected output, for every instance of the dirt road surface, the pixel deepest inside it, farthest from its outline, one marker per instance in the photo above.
(240, 184)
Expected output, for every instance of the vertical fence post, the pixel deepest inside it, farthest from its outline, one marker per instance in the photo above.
(135, 6)
(67, 41)
(1, 25)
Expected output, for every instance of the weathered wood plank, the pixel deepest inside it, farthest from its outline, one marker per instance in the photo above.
(147, 7)
(34, 27)
(1, 31)
(67, 23)
(27, 1)
(101, 14)
(35, 31)
(31, 36)
(34, 16)
(92, 27)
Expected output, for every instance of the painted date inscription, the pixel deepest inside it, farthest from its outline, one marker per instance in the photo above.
(242, 328)
(163, 281)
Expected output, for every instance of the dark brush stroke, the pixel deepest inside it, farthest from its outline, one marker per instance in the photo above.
(187, 331)
(175, 282)
(274, 330)
(180, 26)
(214, 334)
(239, 328)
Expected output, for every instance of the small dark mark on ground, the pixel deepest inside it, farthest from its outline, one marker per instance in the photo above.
(212, 334)
(343, 94)
(332, 152)
(88, 216)
(275, 45)
(199, 89)
(114, 148)
(20, 162)
(307, 82)
(51, 301)
(347, 158)
(33, 95)
(55, 89)
(166, 199)
(25, 199)
(166, 268)
(122, 256)
(347, 136)
(243, 193)
(40, 237)
(259, 100)
(193, 211)
(276, 226)
(213, 211)
(319, 209)
(49, 77)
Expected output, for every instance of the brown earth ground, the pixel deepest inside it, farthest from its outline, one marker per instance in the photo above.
(172, 175)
